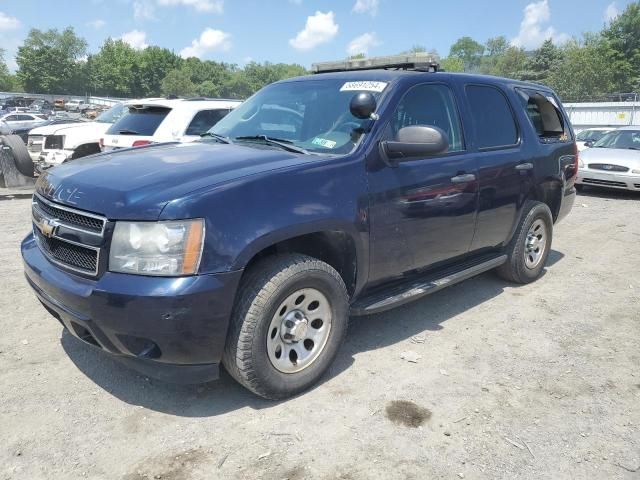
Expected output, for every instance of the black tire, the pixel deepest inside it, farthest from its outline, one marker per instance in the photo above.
(263, 289)
(515, 269)
(20, 154)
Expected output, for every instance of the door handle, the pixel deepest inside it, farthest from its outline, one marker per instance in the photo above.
(464, 178)
(524, 166)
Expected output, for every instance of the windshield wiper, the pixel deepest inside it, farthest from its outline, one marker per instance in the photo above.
(280, 142)
(126, 131)
(215, 136)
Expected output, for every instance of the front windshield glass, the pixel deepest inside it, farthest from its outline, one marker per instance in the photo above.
(590, 135)
(311, 114)
(111, 115)
(622, 139)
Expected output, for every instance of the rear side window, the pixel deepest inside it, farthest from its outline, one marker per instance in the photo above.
(204, 120)
(492, 117)
(544, 114)
(139, 121)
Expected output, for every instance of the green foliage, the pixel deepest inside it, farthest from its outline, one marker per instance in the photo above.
(452, 64)
(50, 61)
(115, 69)
(584, 71)
(178, 82)
(622, 38)
(469, 51)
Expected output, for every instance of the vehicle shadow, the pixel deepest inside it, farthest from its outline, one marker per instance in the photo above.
(609, 193)
(365, 333)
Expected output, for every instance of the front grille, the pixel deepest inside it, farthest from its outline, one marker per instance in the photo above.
(53, 142)
(604, 183)
(34, 143)
(69, 254)
(85, 222)
(79, 252)
(608, 167)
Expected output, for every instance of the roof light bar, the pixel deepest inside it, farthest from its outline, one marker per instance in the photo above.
(415, 61)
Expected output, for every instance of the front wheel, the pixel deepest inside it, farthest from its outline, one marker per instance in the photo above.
(530, 246)
(288, 323)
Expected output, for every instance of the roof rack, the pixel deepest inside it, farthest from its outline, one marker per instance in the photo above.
(421, 62)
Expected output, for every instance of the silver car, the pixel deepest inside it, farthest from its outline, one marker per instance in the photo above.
(613, 161)
(20, 120)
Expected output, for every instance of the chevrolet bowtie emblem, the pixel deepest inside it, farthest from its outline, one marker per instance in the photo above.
(47, 227)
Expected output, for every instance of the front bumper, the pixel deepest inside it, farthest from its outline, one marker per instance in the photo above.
(600, 178)
(168, 328)
(51, 158)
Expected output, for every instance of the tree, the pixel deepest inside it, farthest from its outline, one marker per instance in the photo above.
(178, 82)
(622, 38)
(114, 70)
(585, 70)
(544, 62)
(48, 62)
(452, 64)
(511, 64)
(6, 79)
(154, 63)
(469, 51)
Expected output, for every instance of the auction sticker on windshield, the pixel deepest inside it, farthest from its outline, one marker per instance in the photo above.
(363, 86)
(323, 142)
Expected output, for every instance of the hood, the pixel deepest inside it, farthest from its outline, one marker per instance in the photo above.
(136, 184)
(614, 156)
(85, 128)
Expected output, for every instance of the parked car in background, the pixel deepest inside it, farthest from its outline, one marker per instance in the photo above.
(613, 161)
(58, 104)
(161, 120)
(35, 142)
(76, 105)
(588, 137)
(17, 101)
(55, 144)
(19, 120)
(41, 106)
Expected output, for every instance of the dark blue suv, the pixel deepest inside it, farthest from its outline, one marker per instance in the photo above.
(320, 197)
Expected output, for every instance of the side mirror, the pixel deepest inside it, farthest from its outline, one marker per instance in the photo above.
(416, 141)
(589, 143)
(362, 105)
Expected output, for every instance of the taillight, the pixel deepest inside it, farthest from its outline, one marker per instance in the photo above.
(140, 143)
(101, 142)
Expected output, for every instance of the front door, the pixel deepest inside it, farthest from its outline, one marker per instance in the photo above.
(423, 210)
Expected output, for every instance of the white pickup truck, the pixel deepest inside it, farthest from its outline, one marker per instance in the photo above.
(54, 144)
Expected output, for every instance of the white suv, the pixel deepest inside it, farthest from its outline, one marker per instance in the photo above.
(161, 120)
(75, 105)
(54, 144)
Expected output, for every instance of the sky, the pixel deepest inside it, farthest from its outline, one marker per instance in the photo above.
(303, 31)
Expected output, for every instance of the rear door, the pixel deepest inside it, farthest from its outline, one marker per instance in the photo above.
(504, 171)
(136, 127)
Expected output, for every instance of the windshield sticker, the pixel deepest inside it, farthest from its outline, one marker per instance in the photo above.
(366, 86)
(323, 142)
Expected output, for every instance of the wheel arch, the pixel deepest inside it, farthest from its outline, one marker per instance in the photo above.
(335, 246)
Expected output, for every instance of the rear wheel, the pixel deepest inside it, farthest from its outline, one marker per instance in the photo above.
(288, 324)
(529, 248)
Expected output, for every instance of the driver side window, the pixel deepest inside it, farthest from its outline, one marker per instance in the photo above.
(430, 105)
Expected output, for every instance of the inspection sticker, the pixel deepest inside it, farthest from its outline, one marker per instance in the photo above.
(323, 142)
(363, 86)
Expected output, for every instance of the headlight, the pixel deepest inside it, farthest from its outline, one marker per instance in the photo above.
(580, 163)
(637, 171)
(169, 248)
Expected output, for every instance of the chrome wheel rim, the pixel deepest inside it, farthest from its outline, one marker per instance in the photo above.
(299, 330)
(535, 244)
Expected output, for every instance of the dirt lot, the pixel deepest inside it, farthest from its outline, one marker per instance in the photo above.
(541, 381)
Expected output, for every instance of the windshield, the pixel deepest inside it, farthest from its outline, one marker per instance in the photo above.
(590, 135)
(313, 115)
(622, 139)
(111, 115)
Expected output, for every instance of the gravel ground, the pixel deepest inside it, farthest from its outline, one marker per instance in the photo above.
(537, 381)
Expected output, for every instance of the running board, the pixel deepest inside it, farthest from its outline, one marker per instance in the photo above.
(420, 288)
